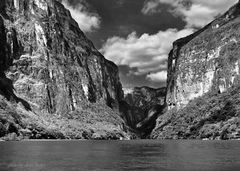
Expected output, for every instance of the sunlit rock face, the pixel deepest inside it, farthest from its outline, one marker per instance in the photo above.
(203, 83)
(206, 61)
(54, 84)
(51, 62)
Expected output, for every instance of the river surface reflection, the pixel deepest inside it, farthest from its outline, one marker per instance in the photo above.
(120, 155)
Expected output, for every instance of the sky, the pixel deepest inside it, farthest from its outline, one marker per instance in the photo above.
(137, 35)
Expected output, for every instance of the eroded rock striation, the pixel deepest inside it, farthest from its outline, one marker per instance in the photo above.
(49, 66)
(203, 75)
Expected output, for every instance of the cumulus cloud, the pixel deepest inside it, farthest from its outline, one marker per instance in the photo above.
(158, 76)
(86, 20)
(196, 13)
(147, 53)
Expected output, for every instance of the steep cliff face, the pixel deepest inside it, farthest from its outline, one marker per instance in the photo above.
(47, 60)
(141, 106)
(206, 61)
(51, 62)
(203, 83)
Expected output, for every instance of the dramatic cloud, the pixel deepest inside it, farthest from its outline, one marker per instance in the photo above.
(196, 13)
(158, 77)
(147, 53)
(86, 20)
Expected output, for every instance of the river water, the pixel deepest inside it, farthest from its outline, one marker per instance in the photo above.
(120, 155)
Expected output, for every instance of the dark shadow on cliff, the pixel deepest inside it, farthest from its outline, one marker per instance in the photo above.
(141, 107)
(129, 114)
(7, 91)
(146, 126)
(142, 128)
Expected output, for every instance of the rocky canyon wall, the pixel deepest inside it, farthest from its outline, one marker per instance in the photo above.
(50, 60)
(203, 83)
(47, 61)
(207, 61)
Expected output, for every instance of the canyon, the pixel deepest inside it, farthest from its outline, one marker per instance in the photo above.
(54, 84)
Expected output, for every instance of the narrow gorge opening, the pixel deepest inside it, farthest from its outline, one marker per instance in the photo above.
(140, 109)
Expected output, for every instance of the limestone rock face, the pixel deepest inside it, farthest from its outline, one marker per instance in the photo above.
(53, 82)
(51, 62)
(203, 83)
(206, 61)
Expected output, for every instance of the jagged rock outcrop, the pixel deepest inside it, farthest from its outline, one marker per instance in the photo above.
(141, 106)
(48, 64)
(203, 75)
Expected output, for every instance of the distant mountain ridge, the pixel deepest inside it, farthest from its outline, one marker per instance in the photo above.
(144, 97)
(141, 106)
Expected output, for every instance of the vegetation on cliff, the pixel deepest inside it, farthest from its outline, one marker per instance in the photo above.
(212, 116)
(93, 121)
